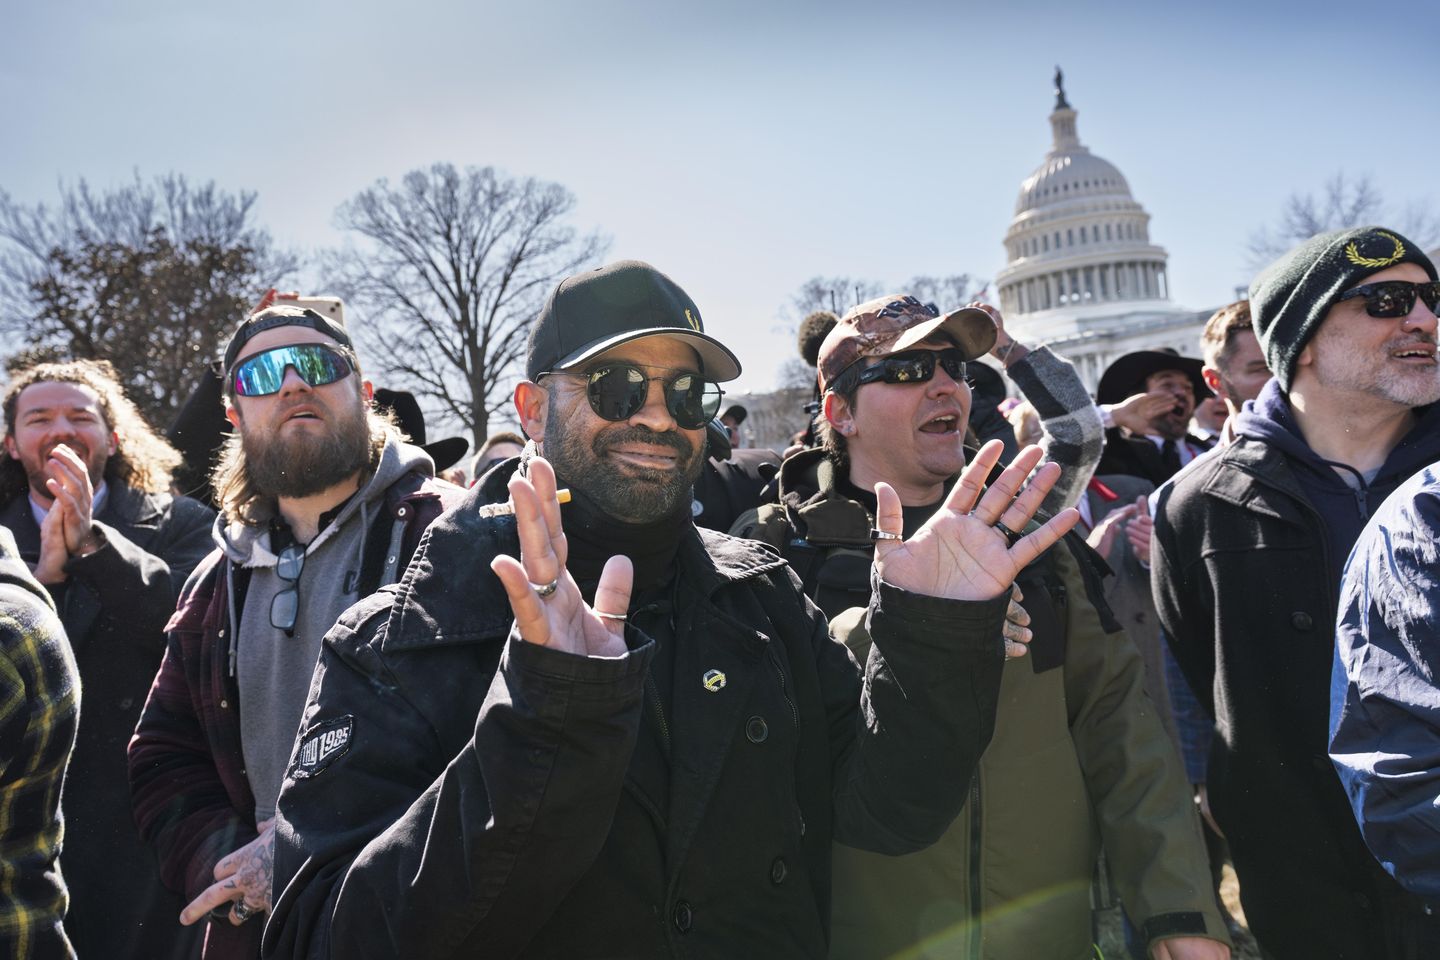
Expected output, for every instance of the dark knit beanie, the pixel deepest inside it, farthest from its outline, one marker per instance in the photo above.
(1290, 298)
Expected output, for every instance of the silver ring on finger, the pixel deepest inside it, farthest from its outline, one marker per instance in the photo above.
(877, 534)
(242, 910)
(545, 589)
(619, 617)
(1011, 537)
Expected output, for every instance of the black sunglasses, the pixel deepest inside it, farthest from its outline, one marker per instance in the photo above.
(617, 391)
(1394, 298)
(285, 606)
(916, 366)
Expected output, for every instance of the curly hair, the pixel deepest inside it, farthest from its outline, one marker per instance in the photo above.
(143, 459)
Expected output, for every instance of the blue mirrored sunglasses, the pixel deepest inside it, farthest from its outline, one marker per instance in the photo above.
(264, 373)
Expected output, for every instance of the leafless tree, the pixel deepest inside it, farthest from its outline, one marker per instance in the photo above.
(1341, 204)
(946, 293)
(454, 267)
(150, 275)
(836, 294)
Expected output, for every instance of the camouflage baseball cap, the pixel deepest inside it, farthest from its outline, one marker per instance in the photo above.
(895, 323)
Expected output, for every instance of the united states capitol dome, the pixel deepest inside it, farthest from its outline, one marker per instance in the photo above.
(1078, 238)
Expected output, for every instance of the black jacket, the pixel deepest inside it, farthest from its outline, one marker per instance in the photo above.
(114, 605)
(489, 797)
(1246, 587)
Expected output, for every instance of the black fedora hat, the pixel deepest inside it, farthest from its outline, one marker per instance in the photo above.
(1127, 375)
(446, 453)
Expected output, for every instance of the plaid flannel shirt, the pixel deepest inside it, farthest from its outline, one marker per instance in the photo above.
(39, 714)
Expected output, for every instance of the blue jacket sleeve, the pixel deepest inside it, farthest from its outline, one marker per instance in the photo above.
(1384, 698)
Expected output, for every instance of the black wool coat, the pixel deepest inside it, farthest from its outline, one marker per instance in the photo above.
(114, 605)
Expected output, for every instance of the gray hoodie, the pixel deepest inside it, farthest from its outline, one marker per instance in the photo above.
(273, 668)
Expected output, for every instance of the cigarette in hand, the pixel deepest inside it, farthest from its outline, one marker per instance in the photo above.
(507, 509)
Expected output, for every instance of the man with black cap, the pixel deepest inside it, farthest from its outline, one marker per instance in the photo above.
(1152, 394)
(598, 731)
(1247, 556)
(321, 504)
(1078, 754)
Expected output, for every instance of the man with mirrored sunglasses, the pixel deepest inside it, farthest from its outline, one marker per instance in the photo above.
(1248, 550)
(1078, 755)
(596, 730)
(322, 503)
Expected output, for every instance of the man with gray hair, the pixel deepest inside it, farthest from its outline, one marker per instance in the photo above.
(1246, 558)
(321, 503)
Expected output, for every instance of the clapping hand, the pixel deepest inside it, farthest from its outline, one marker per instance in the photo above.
(69, 484)
(970, 549)
(549, 610)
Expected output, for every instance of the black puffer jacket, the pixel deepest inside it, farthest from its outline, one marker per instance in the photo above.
(468, 795)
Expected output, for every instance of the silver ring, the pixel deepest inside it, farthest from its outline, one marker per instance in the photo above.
(622, 617)
(1010, 535)
(242, 910)
(546, 589)
(877, 534)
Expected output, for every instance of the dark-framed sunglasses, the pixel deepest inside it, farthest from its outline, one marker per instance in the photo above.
(916, 366)
(264, 373)
(285, 605)
(617, 391)
(1394, 298)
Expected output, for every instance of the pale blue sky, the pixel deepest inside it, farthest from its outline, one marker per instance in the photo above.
(741, 147)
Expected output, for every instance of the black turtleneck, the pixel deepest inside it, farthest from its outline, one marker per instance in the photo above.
(594, 537)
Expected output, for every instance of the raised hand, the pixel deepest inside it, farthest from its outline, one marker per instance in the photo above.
(1017, 622)
(51, 567)
(964, 551)
(69, 483)
(1102, 538)
(1006, 349)
(549, 609)
(243, 879)
(1137, 412)
(1139, 530)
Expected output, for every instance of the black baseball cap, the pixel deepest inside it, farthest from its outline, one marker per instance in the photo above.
(591, 312)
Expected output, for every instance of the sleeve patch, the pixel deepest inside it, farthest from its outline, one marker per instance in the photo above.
(321, 746)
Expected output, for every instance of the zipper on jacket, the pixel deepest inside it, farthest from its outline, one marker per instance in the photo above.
(784, 688)
(977, 900)
(657, 711)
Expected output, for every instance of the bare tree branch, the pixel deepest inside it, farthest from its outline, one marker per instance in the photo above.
(453, 268)
(1341, 205)
(150, 275)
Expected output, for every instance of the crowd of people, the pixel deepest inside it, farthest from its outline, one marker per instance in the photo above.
(921, 687)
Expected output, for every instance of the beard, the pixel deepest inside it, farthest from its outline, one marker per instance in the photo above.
(1372, 372)
(301, 465)
(633, 495)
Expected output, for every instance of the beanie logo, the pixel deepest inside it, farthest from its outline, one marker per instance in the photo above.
(1352, 253)
(693, 321)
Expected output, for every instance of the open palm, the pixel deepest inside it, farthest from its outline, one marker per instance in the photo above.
(960, 553)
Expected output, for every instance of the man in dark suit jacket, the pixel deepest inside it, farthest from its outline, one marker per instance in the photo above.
(83, 488)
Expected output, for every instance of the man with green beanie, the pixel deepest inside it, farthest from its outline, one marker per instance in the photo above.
(1246, 561)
